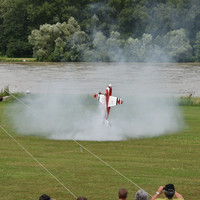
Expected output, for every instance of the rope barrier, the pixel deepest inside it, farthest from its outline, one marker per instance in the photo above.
(81, 146)
(36, 160)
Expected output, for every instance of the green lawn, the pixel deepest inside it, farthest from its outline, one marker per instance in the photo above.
(148, 163)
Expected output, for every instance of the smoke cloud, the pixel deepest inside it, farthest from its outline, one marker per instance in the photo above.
(67, 116)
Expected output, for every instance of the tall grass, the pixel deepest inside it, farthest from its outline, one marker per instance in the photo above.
(5, 91)
(189, 101)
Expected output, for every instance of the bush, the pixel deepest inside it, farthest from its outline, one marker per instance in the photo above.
(19, 49)
(5, 92)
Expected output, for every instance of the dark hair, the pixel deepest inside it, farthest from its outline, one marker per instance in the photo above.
(169, 191)
(82, 198)
(122, 193)
(44, 197)
(169, 195)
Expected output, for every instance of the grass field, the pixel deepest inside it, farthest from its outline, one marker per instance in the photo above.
(148, 163)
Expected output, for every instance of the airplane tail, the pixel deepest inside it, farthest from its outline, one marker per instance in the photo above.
(120, 101)
(106, 123)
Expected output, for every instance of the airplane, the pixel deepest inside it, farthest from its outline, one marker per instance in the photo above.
(108, 101)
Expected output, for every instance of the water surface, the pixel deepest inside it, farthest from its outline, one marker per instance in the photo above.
(170, 79)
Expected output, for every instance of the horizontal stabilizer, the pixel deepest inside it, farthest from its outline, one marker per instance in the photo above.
(113, 101)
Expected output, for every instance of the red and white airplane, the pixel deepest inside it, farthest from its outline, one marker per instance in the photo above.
(108, 101)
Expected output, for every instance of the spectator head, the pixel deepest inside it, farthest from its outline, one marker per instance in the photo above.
(45, 197)
(123, 193)
(82, 198)
(169, 191)
(141, 195)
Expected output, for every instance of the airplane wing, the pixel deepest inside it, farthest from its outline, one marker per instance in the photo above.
(113, 101)
(100, 97)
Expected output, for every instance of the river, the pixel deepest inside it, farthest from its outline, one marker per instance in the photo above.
(166, 78)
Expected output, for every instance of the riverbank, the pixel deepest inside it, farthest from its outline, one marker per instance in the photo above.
(13, 60)
(6, 59)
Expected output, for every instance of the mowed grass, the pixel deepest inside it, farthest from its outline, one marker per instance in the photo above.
(148, 163)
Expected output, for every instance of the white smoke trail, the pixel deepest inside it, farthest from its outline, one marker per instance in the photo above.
(80, 117)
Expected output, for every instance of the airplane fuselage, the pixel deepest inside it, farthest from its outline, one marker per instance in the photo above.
(108, 94)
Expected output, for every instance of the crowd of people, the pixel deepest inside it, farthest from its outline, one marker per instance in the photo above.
(168, 192)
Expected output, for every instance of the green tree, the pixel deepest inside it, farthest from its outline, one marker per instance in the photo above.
(13, 26)
(99, 52)
(161, 19)
(177, 45)
(99, 17)
(197, 47)
(192, 19)
(43, 40)
(139, 50)
(133, 18)
(114, 46)
(129, 19)
(130, 44)
(59, 42)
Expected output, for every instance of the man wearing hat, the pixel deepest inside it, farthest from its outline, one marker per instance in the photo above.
(169, 192)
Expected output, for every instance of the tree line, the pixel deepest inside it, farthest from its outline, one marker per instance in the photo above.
(90, 30)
